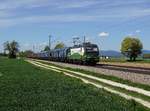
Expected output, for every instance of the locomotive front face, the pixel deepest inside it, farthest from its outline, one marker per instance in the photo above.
(92, 53)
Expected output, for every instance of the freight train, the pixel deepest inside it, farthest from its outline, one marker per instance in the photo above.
(85, 53)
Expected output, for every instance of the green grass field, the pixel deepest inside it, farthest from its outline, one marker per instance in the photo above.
(24, 87)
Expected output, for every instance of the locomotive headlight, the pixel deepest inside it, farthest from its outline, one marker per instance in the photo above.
(95, 49)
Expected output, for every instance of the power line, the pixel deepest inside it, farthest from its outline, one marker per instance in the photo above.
(84, 39)
(76, 40)
(50, 42)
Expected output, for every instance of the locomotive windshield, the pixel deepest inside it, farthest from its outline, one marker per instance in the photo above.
(92, 48)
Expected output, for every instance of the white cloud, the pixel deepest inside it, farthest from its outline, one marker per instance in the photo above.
(10, 17)
(13, 4)
(103, 34)
(138, 31)
(5, 13)
(130, 34)
(45, 19)
(134, 33)
(80, 4)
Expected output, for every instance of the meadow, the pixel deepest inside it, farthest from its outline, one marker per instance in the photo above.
(24, 87)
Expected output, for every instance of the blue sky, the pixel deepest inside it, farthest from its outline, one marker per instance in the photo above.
(105, 22)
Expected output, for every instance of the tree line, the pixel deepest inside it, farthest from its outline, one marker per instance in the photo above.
(130, 47)
(11, 49)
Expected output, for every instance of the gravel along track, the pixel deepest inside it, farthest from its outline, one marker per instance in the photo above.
(137, 70)
(123, 73)
(57, 69)
(128, 64)
(125, 66)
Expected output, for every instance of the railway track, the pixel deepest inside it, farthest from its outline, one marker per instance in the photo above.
(138, 70)
(124, 66)
(131, 69)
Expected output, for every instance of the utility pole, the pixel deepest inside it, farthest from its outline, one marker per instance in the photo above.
(50, 42)
(76, 41)
(84, 39)
(33, 48)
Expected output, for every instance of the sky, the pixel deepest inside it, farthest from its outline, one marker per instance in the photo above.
(104, 22)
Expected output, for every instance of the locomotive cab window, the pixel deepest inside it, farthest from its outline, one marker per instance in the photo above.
(91, 49)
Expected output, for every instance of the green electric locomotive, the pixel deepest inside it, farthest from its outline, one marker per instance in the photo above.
(85, 53)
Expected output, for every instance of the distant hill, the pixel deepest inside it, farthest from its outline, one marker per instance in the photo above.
(146, 51)
(110, 53)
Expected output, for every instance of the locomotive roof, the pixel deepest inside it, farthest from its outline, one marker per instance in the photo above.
(87, 44)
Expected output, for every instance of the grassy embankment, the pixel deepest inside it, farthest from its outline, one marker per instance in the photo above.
(27, 88)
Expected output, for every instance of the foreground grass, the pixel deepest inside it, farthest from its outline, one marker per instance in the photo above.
(24, 87)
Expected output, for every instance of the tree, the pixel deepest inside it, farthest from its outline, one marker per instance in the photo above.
(59, 45)
(46, 48)
(26, 53)
(12, 48)
(131, 47)
(21, 54)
